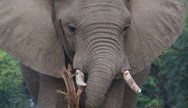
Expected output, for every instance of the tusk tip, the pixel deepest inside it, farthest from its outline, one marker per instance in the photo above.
(83, 84)
(139, 91)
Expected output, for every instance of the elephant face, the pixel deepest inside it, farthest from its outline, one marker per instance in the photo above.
(100, 37)
(82, 23)
(90, 30)
(94, 33)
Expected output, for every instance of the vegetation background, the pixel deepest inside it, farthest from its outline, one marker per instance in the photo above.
(165, 87)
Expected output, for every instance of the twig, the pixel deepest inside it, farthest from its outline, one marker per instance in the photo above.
(73, 96)
(78, 94)
(59, 91)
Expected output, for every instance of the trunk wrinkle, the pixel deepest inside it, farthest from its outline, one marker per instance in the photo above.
(109, 41)
(93, 25)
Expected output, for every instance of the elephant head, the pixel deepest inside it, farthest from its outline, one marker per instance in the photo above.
(101, 38)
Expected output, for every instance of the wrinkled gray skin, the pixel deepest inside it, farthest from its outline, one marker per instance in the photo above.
(101, 38)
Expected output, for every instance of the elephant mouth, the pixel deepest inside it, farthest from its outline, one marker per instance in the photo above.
(126, 75)
(80, 82)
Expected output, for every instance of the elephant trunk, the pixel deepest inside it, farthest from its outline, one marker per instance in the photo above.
(105, 59)
(102, 66)
(99, 80)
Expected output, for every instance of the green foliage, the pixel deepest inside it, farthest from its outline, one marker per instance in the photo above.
(156, 88)
(176, 73)
(12, 90)
(150, 96)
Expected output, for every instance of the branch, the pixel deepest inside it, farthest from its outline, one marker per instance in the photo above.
(73, 95)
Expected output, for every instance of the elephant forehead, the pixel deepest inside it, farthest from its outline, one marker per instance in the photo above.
(97, 6)
(93, 2)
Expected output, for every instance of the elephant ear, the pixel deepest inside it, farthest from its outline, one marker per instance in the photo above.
(27, 33)
(155, 25)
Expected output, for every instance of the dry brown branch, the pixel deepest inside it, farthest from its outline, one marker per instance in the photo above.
(72, 95)
(78, 94)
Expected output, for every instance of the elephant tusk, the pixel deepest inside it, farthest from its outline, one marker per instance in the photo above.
(130, 81)
(80, 79)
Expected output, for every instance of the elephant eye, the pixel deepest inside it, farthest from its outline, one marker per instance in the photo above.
(71, 28)
(125, 28)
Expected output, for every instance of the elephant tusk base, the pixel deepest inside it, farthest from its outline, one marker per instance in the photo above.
(130, 81)
(80, 79)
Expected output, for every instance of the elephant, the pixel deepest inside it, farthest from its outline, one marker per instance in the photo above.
(100, 38)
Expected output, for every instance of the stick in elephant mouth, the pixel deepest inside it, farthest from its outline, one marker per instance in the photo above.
(73, 92)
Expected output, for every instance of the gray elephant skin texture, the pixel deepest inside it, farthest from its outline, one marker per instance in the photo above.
(101, 38)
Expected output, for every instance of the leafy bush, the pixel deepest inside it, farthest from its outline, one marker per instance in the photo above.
(12, 89)
(150, 95)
